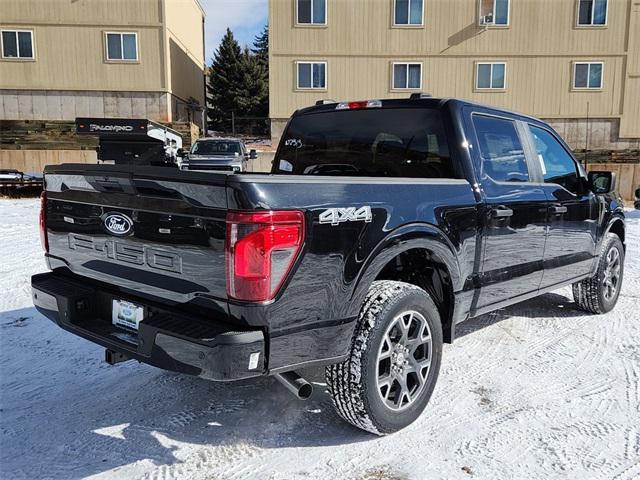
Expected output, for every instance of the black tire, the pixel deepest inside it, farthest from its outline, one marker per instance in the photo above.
(592, 294)
(353, 384)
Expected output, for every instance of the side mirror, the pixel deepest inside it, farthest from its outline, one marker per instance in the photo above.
(602, 182)
(180, 153)
(253, 154)
(637, 193)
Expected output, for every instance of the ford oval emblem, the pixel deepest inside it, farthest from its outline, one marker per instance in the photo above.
(118, 224)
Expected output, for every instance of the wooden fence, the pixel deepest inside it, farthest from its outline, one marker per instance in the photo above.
(61, 135)
(33, 161)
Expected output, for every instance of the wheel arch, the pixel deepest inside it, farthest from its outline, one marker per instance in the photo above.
(433, 251)
(616, 225)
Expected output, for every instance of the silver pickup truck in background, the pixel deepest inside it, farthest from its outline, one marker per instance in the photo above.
(218, 154)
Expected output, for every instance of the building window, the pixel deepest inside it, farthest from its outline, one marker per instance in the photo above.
(407, 76)
(408, 12)
(587, 75)
(17, 44)
(491, 76)
(122, 46)
(312, 75)
(592, 12)
(494, 12)
(312, 12)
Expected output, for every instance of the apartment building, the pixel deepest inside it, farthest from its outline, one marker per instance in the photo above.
(575, 63)
(61, 59)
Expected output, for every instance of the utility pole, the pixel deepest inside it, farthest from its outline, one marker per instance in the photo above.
(586, 143)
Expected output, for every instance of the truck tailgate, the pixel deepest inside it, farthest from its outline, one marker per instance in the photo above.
(156, 231)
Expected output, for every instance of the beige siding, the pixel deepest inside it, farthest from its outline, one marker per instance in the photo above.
(185, 24)
(359, 44)
(75, 59)
(69, 43)
(370, 77)
(357, 27)
(185, 49)
(70, 46)
(82, 12)
(630, 124)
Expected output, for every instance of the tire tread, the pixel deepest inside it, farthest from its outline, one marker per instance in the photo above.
(343, 379)
(586, 293)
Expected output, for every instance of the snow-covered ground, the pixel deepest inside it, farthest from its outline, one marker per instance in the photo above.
(539, 390)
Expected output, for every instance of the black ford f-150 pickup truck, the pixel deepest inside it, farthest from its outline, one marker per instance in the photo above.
(382, 225)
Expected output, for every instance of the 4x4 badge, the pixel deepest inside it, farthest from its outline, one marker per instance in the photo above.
(336, 216)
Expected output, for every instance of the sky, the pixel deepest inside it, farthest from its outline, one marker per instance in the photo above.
(245, 18)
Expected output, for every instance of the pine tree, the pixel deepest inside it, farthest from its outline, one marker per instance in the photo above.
(239, 83)
(261, 47)
(261, 54)
(225, 76)
(252, 93)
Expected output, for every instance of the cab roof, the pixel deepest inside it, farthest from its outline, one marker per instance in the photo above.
(417, 100)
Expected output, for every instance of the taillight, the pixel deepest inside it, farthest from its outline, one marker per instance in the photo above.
(260, 249)
(44, 238)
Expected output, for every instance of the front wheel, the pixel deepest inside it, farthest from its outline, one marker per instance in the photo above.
(388, 378)
(599, 293)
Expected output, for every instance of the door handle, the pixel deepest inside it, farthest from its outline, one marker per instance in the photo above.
(557, 209)
(501, 212)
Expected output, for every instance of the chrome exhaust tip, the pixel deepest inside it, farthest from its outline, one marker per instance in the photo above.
(295, 384)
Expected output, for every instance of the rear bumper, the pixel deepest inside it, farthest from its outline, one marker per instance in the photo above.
(185, 344)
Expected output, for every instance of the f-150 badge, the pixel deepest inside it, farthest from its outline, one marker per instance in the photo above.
(336, 216)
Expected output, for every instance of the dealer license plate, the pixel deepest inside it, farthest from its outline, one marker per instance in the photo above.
(127, 314)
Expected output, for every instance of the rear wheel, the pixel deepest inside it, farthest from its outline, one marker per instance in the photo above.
(387, 381)
(599, 293)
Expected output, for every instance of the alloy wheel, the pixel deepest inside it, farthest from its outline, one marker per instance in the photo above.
(404, 360)
(611, 279)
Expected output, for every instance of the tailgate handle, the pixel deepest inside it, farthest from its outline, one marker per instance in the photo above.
(109, 186)
(112, 184)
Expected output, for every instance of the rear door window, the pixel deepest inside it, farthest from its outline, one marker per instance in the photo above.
(503, 157)
(375, 142)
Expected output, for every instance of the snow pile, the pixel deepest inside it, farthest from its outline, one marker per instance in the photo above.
(538, 390)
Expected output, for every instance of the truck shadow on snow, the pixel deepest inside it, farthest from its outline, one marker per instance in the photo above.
(549, 305)
(80, 417)
(98, 417)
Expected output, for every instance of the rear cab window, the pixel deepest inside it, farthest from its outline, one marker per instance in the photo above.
(372, 142)
(503, 157)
